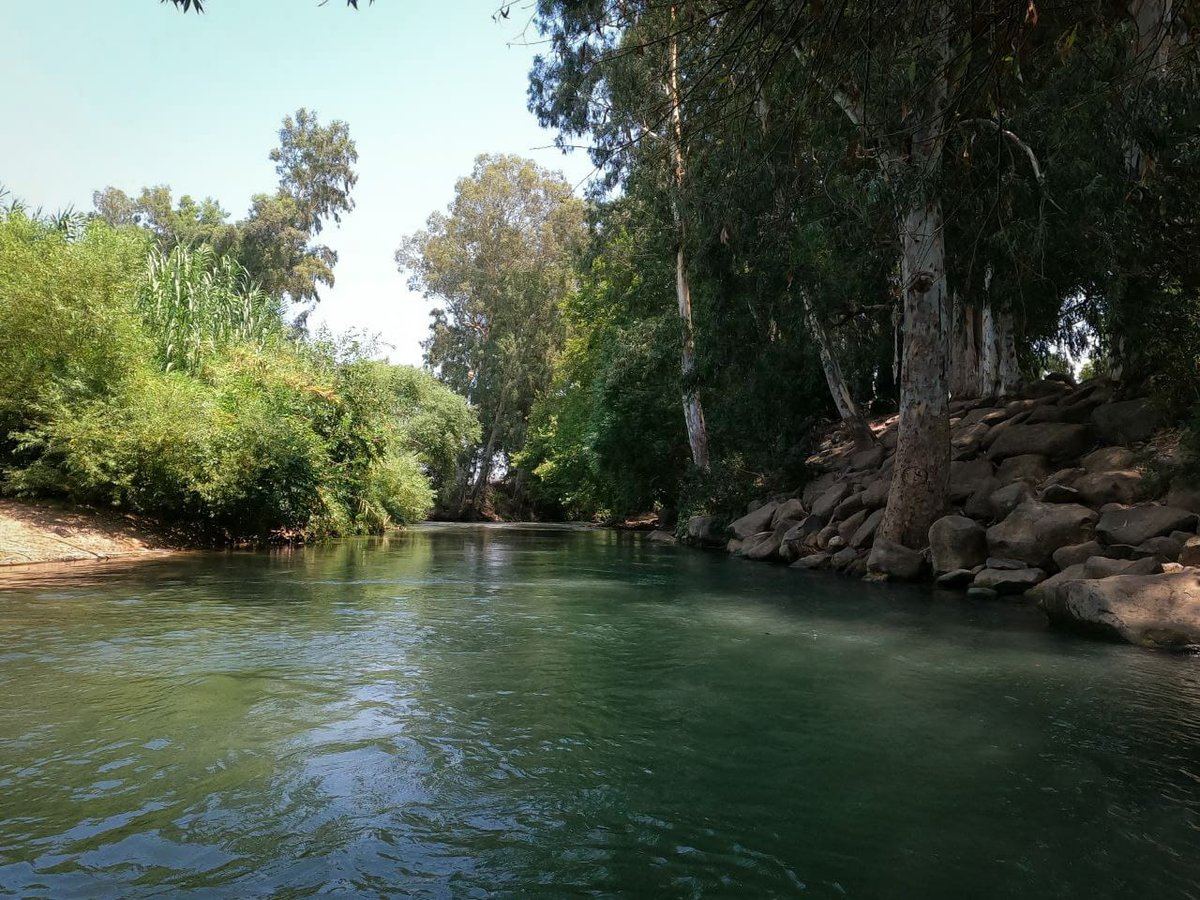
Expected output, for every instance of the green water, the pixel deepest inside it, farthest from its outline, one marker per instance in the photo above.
(482, 711)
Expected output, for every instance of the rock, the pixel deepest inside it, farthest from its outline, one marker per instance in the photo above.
(1047, 387)
(1029, 467)
(1046, 591)
(1060, 493)
(1009, 581)
(866, 531)
(836, 543)
(754, 522)
(956, 542)
(979, 504)
(1077, 554)
(867, 459)
(1184, 494)
(967, 477)
(661, 537)
(1164, 548)
(1138, 524)
(857, 567)
(1150, 610)
(1190, 554)
(956, 578)
(800, 535)
(814, 561)
(1033, 531)
(828, 501)
(1127, 422)
(812, 491)
(843, 558)
(1052, 439)
(981, 593)
(1108, 459)
(967, 441)
(876, 493)
(1006, 499)
(734, 546)
(895, 561)
(789, 509)
(1046, 413)
(1103, 567)
(825, 535)
(1003, 562)
(1099, 488)
(986, 415)
(1173, 568)
(847, 528)
(1066, 476)
(761, 546)
(848, 507)
(704, 530)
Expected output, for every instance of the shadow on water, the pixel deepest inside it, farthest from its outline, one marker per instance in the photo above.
(558, 710)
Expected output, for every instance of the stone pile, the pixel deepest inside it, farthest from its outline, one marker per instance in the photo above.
(1049, 501)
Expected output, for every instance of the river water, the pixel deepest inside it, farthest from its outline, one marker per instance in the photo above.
(477, 711)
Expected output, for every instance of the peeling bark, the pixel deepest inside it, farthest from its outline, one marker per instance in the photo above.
(847, 409)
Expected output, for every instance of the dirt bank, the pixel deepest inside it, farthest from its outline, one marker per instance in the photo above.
(38, 532)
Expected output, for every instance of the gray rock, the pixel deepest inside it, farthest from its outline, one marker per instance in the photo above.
(1138, 524)
(812, 491)
(1164, 548)
(836, 543)
(1045, 591)
(828, 501)
(1103, 567)
(661, 537)
(1033, 531)
(1190, 554)
(1046, 413)
(789, 509)
(825, 535)
(968, 441)
(956, 542)
(761, 546)
(813, 561)
(876, 493)
(1149, 610)
(705, 530)
(867, 459)
(1009, 581)
(734, 546)
(982, 593)
(843, 558)
(1077, 554)
(967, 477)
(847, 528)
(1030, 467)
(986, 415)
(1003, 562)
(754, 522)
(848, 507)
(895, 561)
(866, 531)
(1098, 488)
(1108, 459)
(1060, 493)
(1184, 494)
(958, 578)
(1127, 422)
(1052, 439)
(979, 504)
(1008, 498)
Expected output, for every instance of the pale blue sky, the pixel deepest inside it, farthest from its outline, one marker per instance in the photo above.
(132, 93)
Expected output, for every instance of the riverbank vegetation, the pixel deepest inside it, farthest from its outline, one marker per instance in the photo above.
(153, 360)
(816, 212)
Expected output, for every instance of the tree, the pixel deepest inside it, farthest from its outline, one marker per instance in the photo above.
(316, 167)
(499, 261)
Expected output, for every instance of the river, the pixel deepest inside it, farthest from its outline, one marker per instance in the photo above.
(479, 711)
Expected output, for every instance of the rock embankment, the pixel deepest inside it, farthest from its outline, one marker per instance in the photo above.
(1057, 498)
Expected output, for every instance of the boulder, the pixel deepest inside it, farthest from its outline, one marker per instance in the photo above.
(1077, 554)
(828, 501)
(979, 504)
(1164, 548)
(1008, 498)
(1003, 562)
(812, 491)
(704, 530)
(761, 546)
(1046, 413)
(1190, 554)
(836, 543)
(1066, 476)
(814, 561)
(895, 561)
(957, 578)
(659, 536)
(1060, 493)
(847, 528)
(1184, 494)
(734, 546)
(1056, 440)
(791, 509)
(1099, 488)
(967, 441)
(1138, 524)
(867, 459)
(956, 542)
(825, 535)
(866, 531)
(876, 493)
(1127, 422)
(967, 477)
(1044, 592)
(1108, 459)
(801, 535)
(1009, 581)
(1033, 531)
(1150, 610)
(981, 593)
(754, 522)
(1103, 567)
(985, 415)
(1029, 467)
(843, 558)
(848, 507)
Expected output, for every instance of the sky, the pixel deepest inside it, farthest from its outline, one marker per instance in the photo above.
(132, 93)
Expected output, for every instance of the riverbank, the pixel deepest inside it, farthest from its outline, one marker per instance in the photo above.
(49, 532)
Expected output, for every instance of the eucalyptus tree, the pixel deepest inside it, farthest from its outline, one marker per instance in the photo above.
(498, 262)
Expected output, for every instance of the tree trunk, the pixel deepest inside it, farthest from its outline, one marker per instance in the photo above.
(693, 410)
(1008, 373)
(855, 424)
(922, 468)
(964, 350)
(471, 500)
(989, 355)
